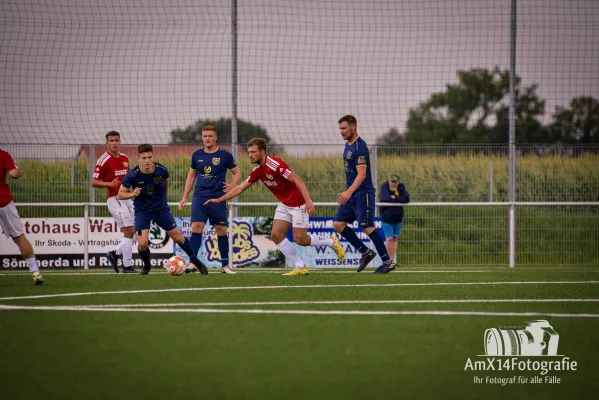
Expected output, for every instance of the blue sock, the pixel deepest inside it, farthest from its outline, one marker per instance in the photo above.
(196, 242)
(353, 239)
(186, 246)
(145, 256)
(223, 247)
(380, 245)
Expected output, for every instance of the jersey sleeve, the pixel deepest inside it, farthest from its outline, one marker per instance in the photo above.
(283, 170)
(231, 164)
(99, 171)
(362, 156)
(192, 162)
(128, 179)
(253, 178)
(9, 163)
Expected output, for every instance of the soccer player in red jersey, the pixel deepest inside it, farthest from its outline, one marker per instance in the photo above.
(111, 168)
(10, 222)
(294, 209)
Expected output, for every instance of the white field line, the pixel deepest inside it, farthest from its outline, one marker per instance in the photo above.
(250, 272)
(47, 296)
(341, 302)
(295, 312)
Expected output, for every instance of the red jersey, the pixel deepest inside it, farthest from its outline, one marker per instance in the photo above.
(274, 175)
(6, 164)
(109, 167)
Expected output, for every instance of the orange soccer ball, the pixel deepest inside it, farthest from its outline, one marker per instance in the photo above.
(176, 265)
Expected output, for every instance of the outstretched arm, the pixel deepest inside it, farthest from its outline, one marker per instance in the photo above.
(236, 191)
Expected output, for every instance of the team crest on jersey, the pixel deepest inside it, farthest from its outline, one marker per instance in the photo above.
(207, 169)
(361, 160)
(216, 161)
(269, 177)
(157, 180)
(125, 164)
(348, 156)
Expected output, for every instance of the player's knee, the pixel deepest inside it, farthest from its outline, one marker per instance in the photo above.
(276, 237)
(391, 240)
(221, 230)
(301, 240)
(142, 246)
(339, 226)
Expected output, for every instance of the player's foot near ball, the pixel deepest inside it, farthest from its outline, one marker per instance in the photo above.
(37, 278)
(366, 259)
(199, 265)
(113, 259)
(227, 270)
(190, 269)
(145, 271)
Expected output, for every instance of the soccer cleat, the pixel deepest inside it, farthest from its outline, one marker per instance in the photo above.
(297, 271)
(113, 258)
(227, 270)
(198, 265)
(145, 271)
(37, 278)
(191, 268)
(129, 270)
(393, 266)
(338, 249)
(383, 269)
(366, 259)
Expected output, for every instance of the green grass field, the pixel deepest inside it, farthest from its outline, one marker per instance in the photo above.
(259, 335)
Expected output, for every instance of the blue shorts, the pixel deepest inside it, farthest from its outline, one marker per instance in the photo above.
(162, 217)
(217, 213)
(391, 230)
(360, 207)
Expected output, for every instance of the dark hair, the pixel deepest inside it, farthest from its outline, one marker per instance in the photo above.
(144, 148)
(112, 133)
(350, 119)
(209, 128)
(261, 143)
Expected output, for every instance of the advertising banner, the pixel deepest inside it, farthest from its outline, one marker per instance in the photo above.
(59, 243)
(252, 246)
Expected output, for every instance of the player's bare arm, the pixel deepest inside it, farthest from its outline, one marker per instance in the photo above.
(126, 194)
(166, 187)
(97, 183)
(343, 197)
(14, 173)
(189, 182)
(236, 191)
(299, 183)
(236, 176)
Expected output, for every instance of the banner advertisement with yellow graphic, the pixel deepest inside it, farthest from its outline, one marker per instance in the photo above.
(252, 246)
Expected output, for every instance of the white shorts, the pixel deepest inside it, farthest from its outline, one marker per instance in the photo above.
(10, 221)
(122, 211)
(298, 216)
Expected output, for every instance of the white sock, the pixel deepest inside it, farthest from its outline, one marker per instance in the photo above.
(316, 240)
(32, 264)
(119, 249)
(288, 249)
(127, 250)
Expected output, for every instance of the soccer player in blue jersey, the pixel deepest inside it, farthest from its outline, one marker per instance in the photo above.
(147, 184)
(208, 170)
(358, 201)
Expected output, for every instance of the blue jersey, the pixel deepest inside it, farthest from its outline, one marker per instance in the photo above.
(153, 187)
(211, 171)
(354, 155)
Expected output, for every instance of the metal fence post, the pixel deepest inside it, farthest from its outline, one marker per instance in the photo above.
(92, 167)
(491, 180)
(86, 236)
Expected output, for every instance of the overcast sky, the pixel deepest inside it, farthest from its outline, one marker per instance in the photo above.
(73, 69)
